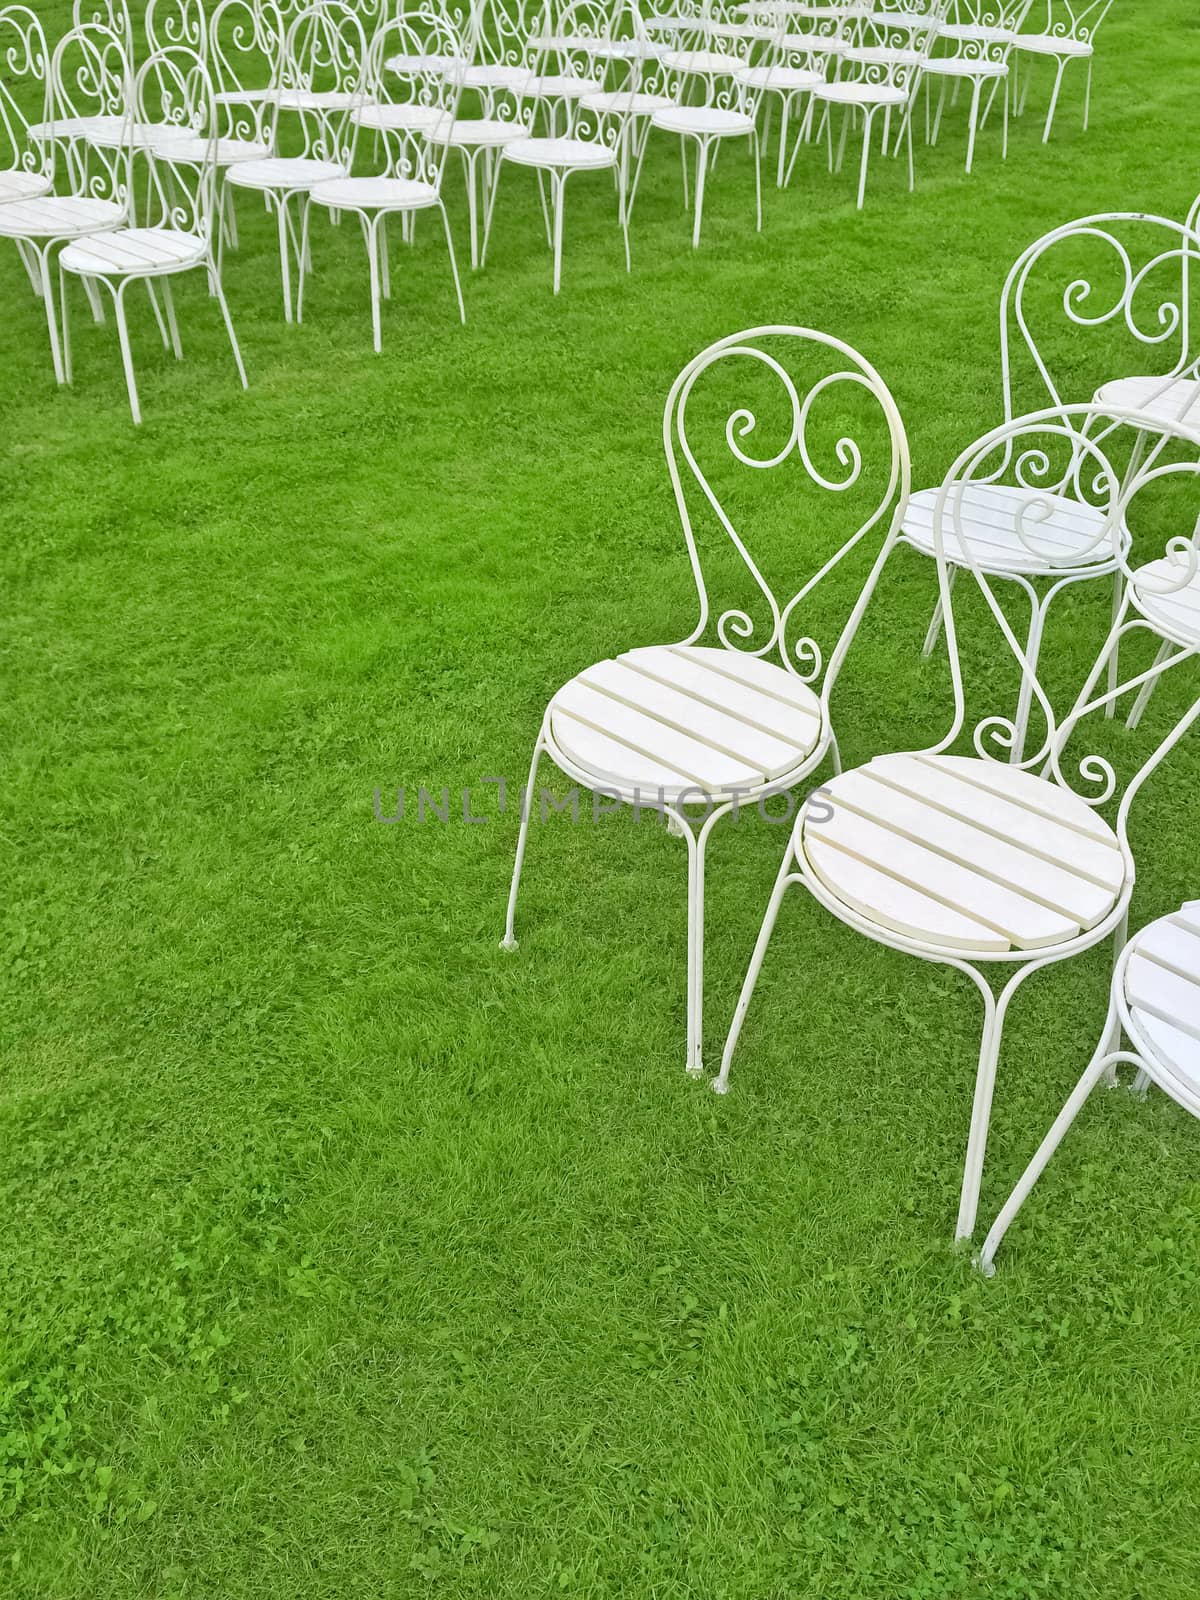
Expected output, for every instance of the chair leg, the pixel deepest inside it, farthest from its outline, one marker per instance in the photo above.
(462, 310)
(509, 941)
(698, 210)
(1033, 648)
(172, 323)
(95, 301)
(47, 297)
(623, 211)
(972, 125)
(935, 622)
(683, 167)
(216, 289)
(469, 158)
(1058, 78)
(126, 353)
(373, 263)
(1087, 95)
(558, 190)
(305, 224)
(866, 156)
(1148, 688)
(994, 1012)
(785, 105)
(385, 265)
(30, 262)
(784, 877)
(285, 266)
(1004, 145)
(1114, 655)
(65, 322)
(546, 222)
(1102, 1062)
(491, 206)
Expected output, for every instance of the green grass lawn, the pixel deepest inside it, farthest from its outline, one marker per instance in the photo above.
(344, 1255)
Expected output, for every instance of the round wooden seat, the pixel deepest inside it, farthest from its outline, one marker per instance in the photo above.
(1162, 989)
(685, 717)
(963, 854)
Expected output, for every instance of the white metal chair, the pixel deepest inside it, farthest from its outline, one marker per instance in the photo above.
(970, 860)
(321, 82)
(1067, 34)
(177, 233)
(739, 709)
(880, 73)
(26, 164)
(411, 179)
(973, 47)
(1155, 1005)
(577, 141)
(88, 81)
(718, 98)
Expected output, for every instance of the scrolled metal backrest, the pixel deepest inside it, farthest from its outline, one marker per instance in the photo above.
(173, 89)
(110, 14)
(324, 53)
(1074, 19)
(1037, 461)
(508, 30)
(24, 89)
(905, 33)
(1003, 17)
(1152, 260)
(418, 60)
(830, 398)
(90, 77)
(245, 54)
(176, 22)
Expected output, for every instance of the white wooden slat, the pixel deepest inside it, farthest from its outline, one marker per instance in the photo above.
(711, 769)
(759, 674)
(1036, 794)
(610, 760)
(939, 786)
(1022, 922)
(798, 726)
(992, 512)
(680, 711)
(1173, 944)
(996, 858)
(1162, 993)
(1167, 572)
(1188, 915)
(1178, 1050)
(894, 905)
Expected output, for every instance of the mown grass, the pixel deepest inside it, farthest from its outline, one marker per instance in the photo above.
(345, 1255)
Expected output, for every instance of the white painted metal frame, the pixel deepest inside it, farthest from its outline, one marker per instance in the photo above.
(26, 164)
(176, 235)
(1068, 34)
(577, 141)
(719, 724)
(423, 101)
(321, 83)
(176, 22)
(964, 888)
(1154, 1004)
(973, 46)
(89, 83)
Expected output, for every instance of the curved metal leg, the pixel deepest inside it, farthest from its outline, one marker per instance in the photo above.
(285, 266)
(698, 210)
(509, 941)
(172, 323)
(1033, 647)
(558, 186)
(1058, 78)
(462, 310)
(216, 288)
(784, 877)
(491, 206)
(47, 298)
(757, 150)
(972, 125)
(1102, 1062)
(304, 231)
(1147, 689)
(373, 262)
(126, 353)
(866, 156)
(935, 622)
(64, 318)
(1087, 94)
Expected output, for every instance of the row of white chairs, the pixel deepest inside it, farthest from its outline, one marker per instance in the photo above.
(997, 858)
(280, 106)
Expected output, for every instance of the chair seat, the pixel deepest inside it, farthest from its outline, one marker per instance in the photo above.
(680, 717)
(703, 120)
(245, 97)
(883, 56)
(560, 153)
(141, 135)
(470, 131)
(861, 94)
(423, 66)
(18, 185)
(494, 75)
(1060, 535)
(962, 854)
(90, 128)
(284, 172)
(558, 86)
(54, 216)
(704, 63)
(627, 103)
(316, 99)
(128, 251)
(1049, 44)
(188, 147)
(373, 194)
(1159, 592)
(965, 67)
(974, 33)
(1170, 404)
(814, 44)
(1162, 990)
(788, 79)
(402, 118)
